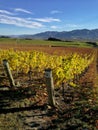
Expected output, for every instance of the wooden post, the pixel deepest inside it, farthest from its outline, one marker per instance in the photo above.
(50, 87)
(63, 90)
(8, 72)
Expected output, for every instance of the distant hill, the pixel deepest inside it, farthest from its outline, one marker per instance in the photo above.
(83, 34)
(4, 36)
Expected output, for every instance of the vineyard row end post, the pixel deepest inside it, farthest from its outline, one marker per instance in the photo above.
(50, 87)
(8, 72)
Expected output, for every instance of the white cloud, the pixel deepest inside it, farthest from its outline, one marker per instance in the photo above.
(55, 12)
(54, 27)
(22, 10)
(5, 12)
(22, 22)
(47, 19)
(7, 17)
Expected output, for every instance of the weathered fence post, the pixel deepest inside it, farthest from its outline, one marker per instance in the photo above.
(50, 86)
(8, 72)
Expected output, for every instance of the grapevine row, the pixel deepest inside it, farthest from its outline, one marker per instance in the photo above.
(64, 67)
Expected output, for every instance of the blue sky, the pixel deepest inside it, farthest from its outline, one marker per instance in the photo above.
(34, 16)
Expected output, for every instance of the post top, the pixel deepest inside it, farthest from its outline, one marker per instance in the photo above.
(48, 69)
(5, 60)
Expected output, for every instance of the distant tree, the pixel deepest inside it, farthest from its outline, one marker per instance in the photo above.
(4, 37)
(53, 39)
(28, 39)
(92, 43)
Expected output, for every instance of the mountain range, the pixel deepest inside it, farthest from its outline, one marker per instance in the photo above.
(83, 34)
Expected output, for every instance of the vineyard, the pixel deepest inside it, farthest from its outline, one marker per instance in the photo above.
(65, 68)
(75, 83)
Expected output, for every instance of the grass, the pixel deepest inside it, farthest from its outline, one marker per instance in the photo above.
(7, 41)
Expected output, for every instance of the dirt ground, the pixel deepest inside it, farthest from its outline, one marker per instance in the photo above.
(46, 48)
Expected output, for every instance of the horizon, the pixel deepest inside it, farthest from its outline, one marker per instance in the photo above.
(32, 17)
(49, 31)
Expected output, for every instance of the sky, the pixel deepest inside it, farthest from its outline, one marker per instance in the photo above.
(35, 16)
